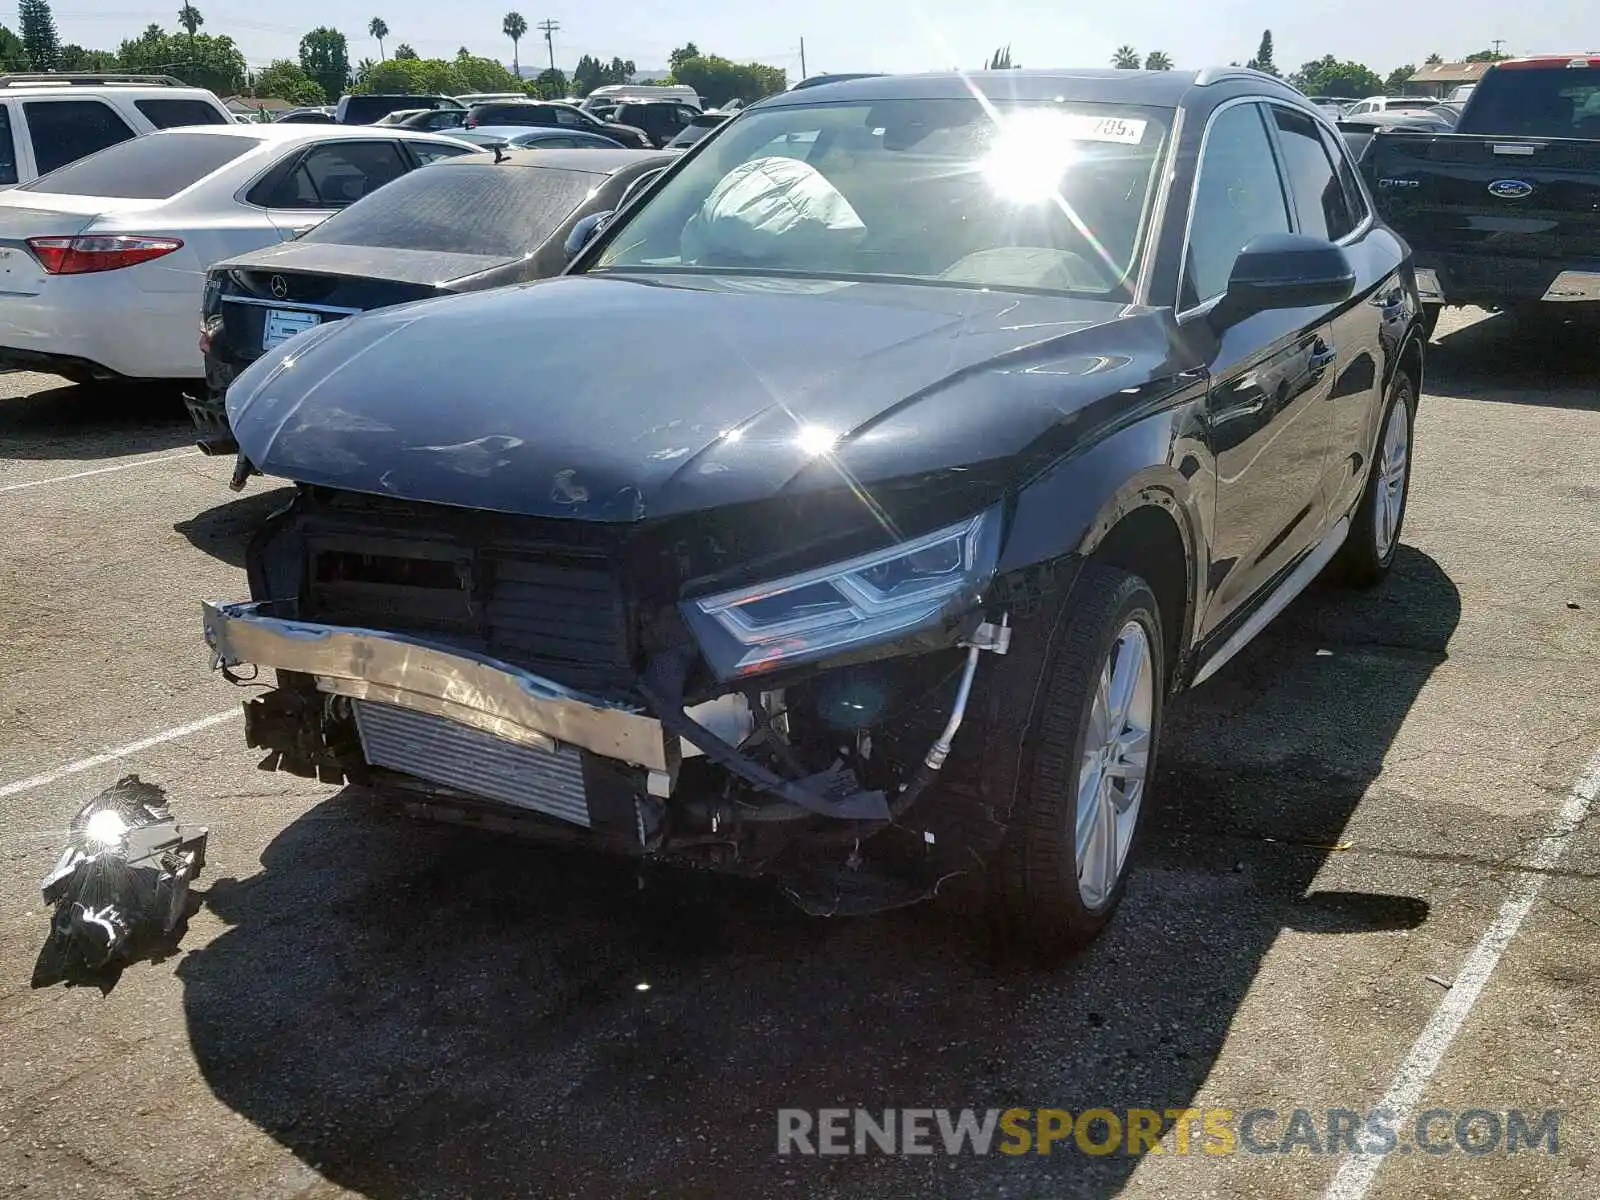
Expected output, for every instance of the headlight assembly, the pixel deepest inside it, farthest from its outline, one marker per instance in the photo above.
(866, 599)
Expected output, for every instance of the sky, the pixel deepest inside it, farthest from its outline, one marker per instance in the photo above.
(883, 35)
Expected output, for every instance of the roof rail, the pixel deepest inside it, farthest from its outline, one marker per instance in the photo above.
(87, 79)
(1210, 75)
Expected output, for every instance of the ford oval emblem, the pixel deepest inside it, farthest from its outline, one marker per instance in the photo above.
(1510, 189)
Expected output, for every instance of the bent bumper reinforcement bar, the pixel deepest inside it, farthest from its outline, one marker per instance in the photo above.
(473, 690)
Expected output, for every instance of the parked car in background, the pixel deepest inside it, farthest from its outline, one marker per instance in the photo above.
(851, 507)
(1359, 133)
(551, 114)
(49, 120)
(631, 93)
(471, 98)
(1334, 106)
(365, 109)
(1504, 211)
(435, 120)
(318, 115)
(698, 128)
(1459, 95)
(401, 114)
(103, 261)
(661, 120)
(1383, 104)
(476, 222)
(511, 136)
(1446, 111)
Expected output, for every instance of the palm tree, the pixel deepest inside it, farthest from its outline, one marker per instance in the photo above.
(1126, 58)
(379, 30)
(189, 17)
(1157, 60)
(1433, 60)
(514, 26)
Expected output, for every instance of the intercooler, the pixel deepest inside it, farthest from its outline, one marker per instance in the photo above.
(467, 760)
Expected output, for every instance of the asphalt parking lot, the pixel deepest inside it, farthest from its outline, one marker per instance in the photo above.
(1369, 875)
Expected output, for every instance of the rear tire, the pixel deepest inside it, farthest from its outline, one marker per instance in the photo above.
(1085, 762)
(1369, 551)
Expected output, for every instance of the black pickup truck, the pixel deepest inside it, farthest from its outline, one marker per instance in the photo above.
(1505, 211)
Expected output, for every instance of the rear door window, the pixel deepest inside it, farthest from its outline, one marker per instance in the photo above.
(64, 131)
(154, 167)
(339, 173)
(463, 209)
(167, 114)
(1319, 201)
(8, 148)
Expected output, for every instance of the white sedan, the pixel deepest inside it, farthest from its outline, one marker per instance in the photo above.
(103, 262)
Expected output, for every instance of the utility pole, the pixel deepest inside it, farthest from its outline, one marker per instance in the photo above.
(802, 58)
(549, 28)
(1498, 42)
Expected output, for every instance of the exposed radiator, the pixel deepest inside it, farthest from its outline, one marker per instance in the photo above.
(468, 760)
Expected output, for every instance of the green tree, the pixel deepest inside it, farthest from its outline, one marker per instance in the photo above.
(39, 34)
(1480, 56)
(201, 61)
(76, 58)
(486, 74)
(682, 55)
(13, 54)
(1125, 58)
(1433, 60)
(284, 80)
(1000, 60)
(1399, 77)
(1263, 59)
(1158, 60)
(514, 25)
(1330, 77)
(719, 80)
(189, 17)
(591, 73)
(325, 57)
(378, 29)
(404, 50)
(549, 84)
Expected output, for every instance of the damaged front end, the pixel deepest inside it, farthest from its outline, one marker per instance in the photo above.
(636, 689)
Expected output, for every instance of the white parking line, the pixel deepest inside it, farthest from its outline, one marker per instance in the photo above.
(1356, 1175)
(143, 462)
(105, 756)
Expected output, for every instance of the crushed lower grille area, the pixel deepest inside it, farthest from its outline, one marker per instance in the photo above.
(468, 760)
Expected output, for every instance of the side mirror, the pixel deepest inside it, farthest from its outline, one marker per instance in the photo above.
(1284, 270)
(583, 232)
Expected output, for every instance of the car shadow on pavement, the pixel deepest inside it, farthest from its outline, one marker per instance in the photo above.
(224, 530)
(56, 419)
(1539, 360)
(419, 1010)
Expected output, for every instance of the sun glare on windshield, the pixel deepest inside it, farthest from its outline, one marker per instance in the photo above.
(1030, 153)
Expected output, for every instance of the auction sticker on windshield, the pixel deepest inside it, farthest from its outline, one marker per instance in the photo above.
(1129, 131)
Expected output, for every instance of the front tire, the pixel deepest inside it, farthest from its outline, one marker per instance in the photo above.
(1087, 759)
(1369, 551)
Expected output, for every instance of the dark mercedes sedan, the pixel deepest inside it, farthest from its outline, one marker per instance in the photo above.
(467, 223)
(937, 442)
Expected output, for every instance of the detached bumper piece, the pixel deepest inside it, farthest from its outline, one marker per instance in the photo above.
(123, 880)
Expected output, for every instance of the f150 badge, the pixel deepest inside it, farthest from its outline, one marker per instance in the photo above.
(1510, 189)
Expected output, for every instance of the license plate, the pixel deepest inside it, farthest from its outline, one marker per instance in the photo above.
(284, 323)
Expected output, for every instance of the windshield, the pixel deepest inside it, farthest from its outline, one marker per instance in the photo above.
(1038, 197)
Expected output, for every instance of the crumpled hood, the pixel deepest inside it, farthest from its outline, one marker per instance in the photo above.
(621, 398)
